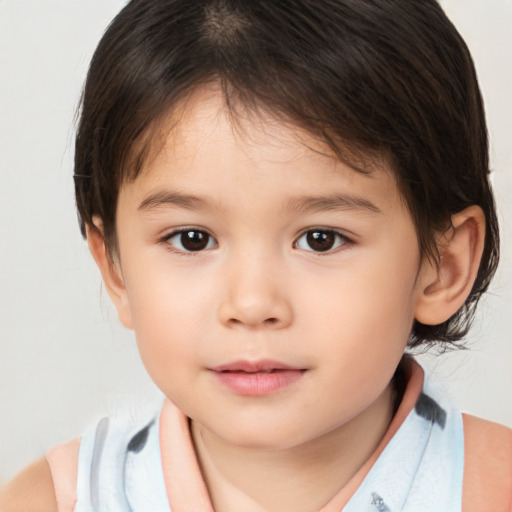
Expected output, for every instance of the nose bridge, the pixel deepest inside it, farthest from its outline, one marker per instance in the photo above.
(255, 291)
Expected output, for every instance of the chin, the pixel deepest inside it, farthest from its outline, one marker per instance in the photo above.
(262, 438)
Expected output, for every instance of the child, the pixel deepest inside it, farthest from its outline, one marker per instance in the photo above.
(282, 197)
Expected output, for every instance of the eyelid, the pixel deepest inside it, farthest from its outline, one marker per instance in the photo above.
(347, 240)
(165, 240)
(348, 235)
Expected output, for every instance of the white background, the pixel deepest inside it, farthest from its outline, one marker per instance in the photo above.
(63, 357)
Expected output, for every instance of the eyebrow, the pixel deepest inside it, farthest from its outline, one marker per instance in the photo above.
(309, 204)
(172, 199)
(305, 204)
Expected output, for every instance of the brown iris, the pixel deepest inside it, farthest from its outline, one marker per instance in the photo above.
(321, 241)
(194, 240)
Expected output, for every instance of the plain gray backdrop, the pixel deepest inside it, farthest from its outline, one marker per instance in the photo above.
(64, 359)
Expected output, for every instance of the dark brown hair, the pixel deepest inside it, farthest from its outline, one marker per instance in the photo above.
(368, 77)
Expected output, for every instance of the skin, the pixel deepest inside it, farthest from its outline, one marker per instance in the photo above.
(31, 491)
(259, 289)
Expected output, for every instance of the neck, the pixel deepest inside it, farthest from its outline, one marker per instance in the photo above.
(300, 479)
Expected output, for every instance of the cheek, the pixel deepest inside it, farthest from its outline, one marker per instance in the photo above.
(362, 340)
(371, 294)
(167, 297)
(169, 312)
(364, 314)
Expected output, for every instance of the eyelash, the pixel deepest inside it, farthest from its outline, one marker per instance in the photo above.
(166, 240)
(342, 240)
(339, 238)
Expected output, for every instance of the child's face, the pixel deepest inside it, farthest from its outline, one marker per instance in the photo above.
(300, 264)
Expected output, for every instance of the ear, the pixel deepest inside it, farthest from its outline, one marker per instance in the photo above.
(445, 286)
(110, 271)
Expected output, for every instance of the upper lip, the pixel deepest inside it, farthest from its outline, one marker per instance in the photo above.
(266, 365)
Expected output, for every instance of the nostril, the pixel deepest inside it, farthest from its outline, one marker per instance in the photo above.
(271, 322)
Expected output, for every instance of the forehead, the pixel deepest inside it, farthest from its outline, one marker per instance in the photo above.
(206, 147)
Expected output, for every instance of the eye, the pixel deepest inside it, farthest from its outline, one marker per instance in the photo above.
(321, 240)
(191, 240)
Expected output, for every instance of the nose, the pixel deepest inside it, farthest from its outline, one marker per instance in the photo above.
(255, 295)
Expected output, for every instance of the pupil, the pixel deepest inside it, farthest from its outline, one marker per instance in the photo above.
(320, 240)
(194, 240)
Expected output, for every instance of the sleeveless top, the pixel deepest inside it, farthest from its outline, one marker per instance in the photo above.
(418, 466)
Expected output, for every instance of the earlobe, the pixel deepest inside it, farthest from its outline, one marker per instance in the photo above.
(110, 271)
(445, 286)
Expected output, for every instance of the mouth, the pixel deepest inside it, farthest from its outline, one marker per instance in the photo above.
(257, 378)
(263, 366)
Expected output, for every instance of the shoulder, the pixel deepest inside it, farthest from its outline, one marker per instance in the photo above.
(487, 465)
(31, 491)
(487, 444)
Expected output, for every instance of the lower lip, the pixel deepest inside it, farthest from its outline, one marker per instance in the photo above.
(258, 383)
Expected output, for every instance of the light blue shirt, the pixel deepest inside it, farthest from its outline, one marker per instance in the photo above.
(420, 469)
